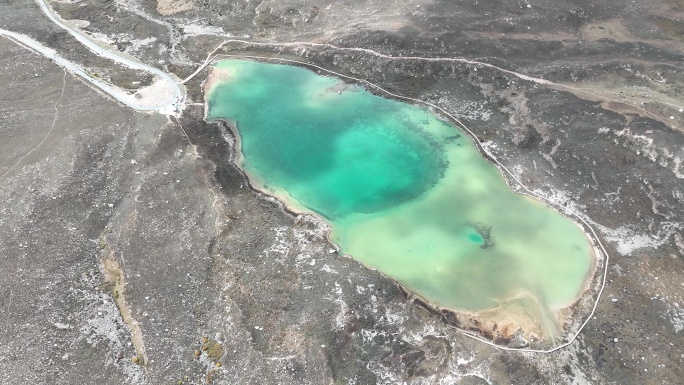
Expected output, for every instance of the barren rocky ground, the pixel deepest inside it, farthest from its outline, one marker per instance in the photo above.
(133, 250)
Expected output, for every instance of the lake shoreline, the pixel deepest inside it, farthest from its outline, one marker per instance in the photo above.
(466, 320)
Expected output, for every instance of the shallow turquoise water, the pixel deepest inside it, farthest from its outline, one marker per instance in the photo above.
(405, 193)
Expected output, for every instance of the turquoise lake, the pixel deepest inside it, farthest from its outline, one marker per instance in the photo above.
(404, 192)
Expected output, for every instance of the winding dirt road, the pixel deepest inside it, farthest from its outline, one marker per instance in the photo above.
(168, 97)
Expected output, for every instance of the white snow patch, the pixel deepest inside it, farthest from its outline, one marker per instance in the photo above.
(195, 29)
(369, 335)
(342, 317)
(102, 38)
(61, 326)
(150, 96)
(107, 326)
(470, 110)
(280, 247)
(139, 43)
(393, 318)
(676, 317)
(628, 240)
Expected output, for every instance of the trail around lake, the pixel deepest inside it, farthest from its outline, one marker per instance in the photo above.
(452, 231)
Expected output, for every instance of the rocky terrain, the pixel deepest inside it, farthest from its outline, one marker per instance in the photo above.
(134, 251)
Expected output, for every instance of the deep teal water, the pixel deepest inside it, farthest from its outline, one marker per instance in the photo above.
(334, 161)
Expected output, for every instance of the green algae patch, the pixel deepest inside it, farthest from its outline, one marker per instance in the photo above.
(405, 193)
